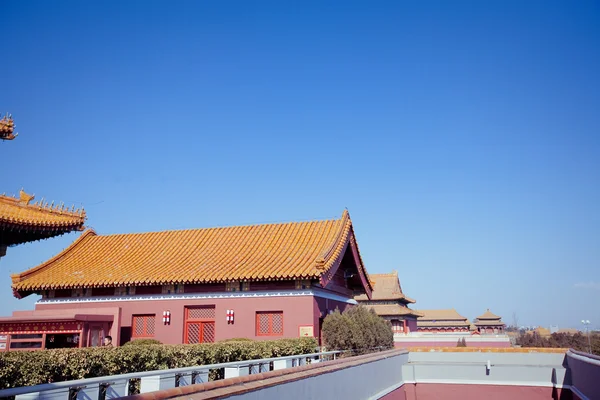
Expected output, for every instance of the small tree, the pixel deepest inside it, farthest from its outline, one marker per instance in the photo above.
(357, 329)
(461, 343)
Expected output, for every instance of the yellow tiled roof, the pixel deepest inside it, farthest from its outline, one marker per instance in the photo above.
(426, 324)
(488, 315)
(301, 250)
(489, 323)
(441, 315)
(20, 213)
(385, 287)
(391, 309)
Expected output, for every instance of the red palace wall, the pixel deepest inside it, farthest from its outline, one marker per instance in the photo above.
(298, 311)
(412, 325)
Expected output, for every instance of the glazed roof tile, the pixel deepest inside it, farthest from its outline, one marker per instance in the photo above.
(297, 250)
(425, 324)
(489, 323)
(488, 315)
(392, 309)
(22, 214)
(386, 287)
(441, 315)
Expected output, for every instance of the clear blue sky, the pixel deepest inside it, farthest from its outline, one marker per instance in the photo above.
(464, 137)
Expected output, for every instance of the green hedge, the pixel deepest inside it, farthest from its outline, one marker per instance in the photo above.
(142, 342)
(357, 329)
(35, 367)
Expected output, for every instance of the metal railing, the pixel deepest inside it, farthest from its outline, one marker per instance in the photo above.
(114, 386)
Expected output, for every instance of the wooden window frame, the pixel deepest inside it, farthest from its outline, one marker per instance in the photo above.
(202, 322)
(145, 324)
(270, 314)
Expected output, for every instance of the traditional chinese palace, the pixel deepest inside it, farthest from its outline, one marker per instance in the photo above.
(191, 286)
(389, 302)
(488, 323)
(442, 321)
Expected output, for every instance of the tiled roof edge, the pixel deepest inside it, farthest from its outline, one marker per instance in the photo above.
(18, 278)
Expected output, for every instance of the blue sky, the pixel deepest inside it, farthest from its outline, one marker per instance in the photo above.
(463, 137)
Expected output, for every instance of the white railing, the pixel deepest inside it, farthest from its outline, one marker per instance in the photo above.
(111, 387)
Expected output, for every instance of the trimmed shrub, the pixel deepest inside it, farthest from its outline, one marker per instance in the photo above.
(26, 368)
(142, 342)
(357, 329)
(461, 343)
(242, 339)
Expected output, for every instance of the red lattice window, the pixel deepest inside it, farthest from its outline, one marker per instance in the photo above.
(203, 312)
(199, 324)
(142, 326)
(269, 323)
(397, 326)
(199, 332)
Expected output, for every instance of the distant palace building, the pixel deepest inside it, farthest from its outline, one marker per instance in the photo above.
(190, 286)
(389, 302)
(442, 321)
(488, 323)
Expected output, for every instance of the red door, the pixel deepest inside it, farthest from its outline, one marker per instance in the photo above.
(199, 324)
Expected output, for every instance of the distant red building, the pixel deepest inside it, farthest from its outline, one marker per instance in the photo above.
(489, 323)
(190, 286)
(442, 321)
(389, 302)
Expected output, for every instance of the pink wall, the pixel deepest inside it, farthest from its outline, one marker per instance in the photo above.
(487, 392)
(297, 311)
(412, 325)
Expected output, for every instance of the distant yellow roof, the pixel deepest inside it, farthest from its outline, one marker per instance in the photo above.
(488, 315)
(449, 314)
(386, 287)
(297, 250)
(391, 310)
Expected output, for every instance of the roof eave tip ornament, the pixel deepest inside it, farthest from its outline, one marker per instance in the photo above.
(7, 127)
(320, 264)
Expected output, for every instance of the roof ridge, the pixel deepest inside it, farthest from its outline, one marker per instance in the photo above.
(182, 230)
(386, 274)
(327, 256)
(24, 202)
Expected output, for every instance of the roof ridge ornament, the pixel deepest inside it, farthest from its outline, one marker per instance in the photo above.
(7, 128)
(25, 198)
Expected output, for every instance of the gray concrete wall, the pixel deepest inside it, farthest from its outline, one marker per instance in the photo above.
(375, 379)
(355, 383)
(537, 369)
(585, 374)
(553, 359)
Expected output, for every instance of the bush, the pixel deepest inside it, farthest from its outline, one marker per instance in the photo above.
(461, 343)
(242, 339)
(357, 329)
(142, 342)
(577, 341)
(26, 368)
